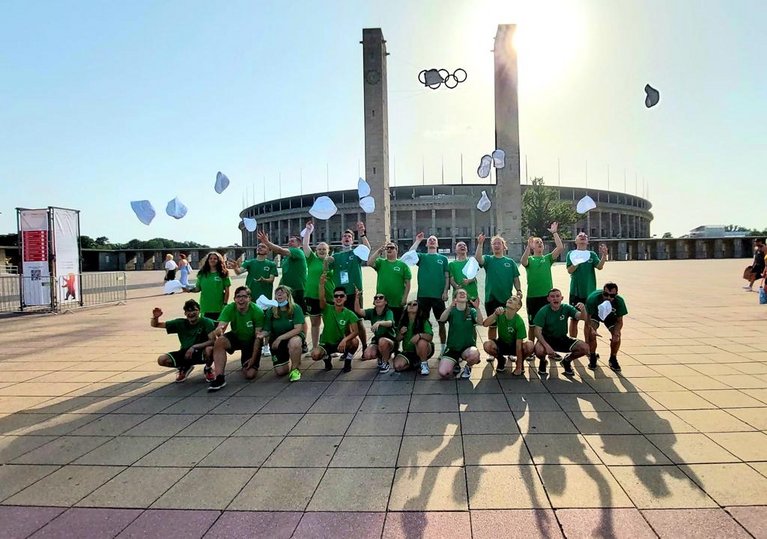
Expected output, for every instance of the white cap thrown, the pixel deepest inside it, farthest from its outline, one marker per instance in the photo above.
(410, 258)
(304, 232)
(485, 164)
(363, 188)
(176, 208)
(250, 224)
(471, 268)
(652, 96)
(323, 208)
(604, 309)
(499, 158)
(171, 287)
(579, 257)
(222, 182)
(484, 203)
(585, 204)
(265, 303)
(362, 252)
(143, 210)
(368, 204)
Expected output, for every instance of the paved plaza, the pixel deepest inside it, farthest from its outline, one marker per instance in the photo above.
(96, 440)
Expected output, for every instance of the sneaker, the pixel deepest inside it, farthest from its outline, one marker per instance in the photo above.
(466, 373)
(593, 362)
(266, 351)
(490, 359)
(183, 374)
(747, 287)
(456, 369)
(380, 363)
(295, 375)
(530, 358)
(347, 362)
(614, 365)
(542, 366)
(208, 372)
(384, 368)
(501, 366)
(218, 383)
(567, 365)
(304, 348)
(328, 363)
(424, 368)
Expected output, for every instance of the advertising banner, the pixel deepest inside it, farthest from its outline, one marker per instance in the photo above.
(66, 232)
(33, 226)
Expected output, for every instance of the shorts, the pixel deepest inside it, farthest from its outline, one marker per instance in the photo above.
(427, 305)
(281, 354)
(454, 355)
(506, 348)
(236, 344)
(491, 305)
(374, 340)
(412, 356)
(534, 305)
(298, 299)
(313, 307)
(179, 359)
(757, 271)
(171, 275)
(562, 344)
(609, 322)
(575, 300)
(212, 315)
(329, 348)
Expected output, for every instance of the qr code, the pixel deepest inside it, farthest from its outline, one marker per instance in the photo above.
(36, 275)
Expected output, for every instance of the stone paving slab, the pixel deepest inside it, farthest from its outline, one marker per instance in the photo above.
(674, 445)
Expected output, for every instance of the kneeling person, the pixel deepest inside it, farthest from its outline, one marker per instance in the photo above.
(416, 335)
(284, 330)
(613, 321)
(551, 333)
(511, 336)
(339, 329)
(246, 319)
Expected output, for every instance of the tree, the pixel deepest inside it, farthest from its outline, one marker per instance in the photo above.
(541, 207)
(667, 236)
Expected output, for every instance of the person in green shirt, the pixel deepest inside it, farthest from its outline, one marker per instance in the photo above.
(261, 272)
(416, 335)
(583, 278)
(194, 335)
(463, 317)
(339, 329)
(315, 262)
(613, 322)
(433, 281)
(511, 336)
(457, 277)
(538, 268)
(284, 330)
(213, 285)
(393, 277)
(293, 265)
(381, 320)
(246, 320)
(551, 333)
(501, 275)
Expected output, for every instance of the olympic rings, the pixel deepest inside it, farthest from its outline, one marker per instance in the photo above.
(434, 78)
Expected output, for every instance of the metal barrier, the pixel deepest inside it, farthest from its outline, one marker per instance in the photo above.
(95, 289)
(9, 293)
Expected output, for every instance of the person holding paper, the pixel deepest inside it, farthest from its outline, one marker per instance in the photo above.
(293, 265)
(284, 331)
(605, 305)
(381, 320)
(433, 281)
(538, 268)
(463, 317)
(581, 264)
(261, 272)
(416, 335)
(393, 278)
(458, 278)
(339, 328)
(315, 263)
(551, 333)
(511, 336)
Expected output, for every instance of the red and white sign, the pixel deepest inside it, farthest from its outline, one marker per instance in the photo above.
(36, 275)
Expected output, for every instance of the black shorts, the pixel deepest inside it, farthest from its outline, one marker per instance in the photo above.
(454, 354)
(236, 344)
(313, 306)
(491, 305)
(506, 348)
(374, 340)
(212, 315)
(179, 359)
(281, 354)
(575, 300)
(609, 322)
(757, 271)
(562, 344)
(171, 275)
(428, 305)
(330, 349)
(298, 299)
(412, 356)
(534, 305)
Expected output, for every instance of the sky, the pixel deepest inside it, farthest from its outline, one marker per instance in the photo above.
(102, 103)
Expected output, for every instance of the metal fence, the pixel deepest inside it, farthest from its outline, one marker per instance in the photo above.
(95, 289)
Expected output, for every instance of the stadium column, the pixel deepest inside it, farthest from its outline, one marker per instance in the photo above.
(508, 192)
(376, 133)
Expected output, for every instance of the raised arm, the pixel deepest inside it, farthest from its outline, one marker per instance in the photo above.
(558, 245)
(417, 242)
(374, 255)
(490, 320)
(480, 319)
(602, 256)
(526, 254)
(305, 240)
(362, 234)
(321, 291)
(264, 238)
(478, 252)
(359, 311)
(446, 314)
(155, 321)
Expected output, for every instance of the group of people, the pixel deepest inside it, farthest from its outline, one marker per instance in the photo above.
(328, 289)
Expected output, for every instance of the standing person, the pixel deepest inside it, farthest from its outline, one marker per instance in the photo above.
(339, 329)
(315, 263)
(551, 333)
(170, 268)
(463, 317)
(455, 269)
(284, 331)
(501, 275)
(213, 285)
(583, 278)
(194, 336)
(183, 271)
(393, 277)
(416, 335)
(261, 273)
(613, 322)
(538, 268)
(757, 268)
(511, 336)
(246, 320)
(382, 325)
(433, 281)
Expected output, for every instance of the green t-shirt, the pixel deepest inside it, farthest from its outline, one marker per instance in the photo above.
(554, 323)
(583, 281)
(347, 270)
(455, 268)
(596, 298)
(315, 267)
(336, 325)
(500, 273)
(212, 286)
(189, 334)
(259, 269)
(243, 324)
(432, 268)
(538, 271)
(294, 269)
(462, 331)
(407, 345)
(511, 330)
(392, 279)
(279, 326)
(373, 317)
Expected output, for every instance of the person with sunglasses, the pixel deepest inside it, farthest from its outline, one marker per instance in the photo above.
(433, 281)
(339, 328)
(393, 279)
(246, 320)
(381, 321)
(284, 331)
(462, 318)
(455, 269)
(417, 335)
(613, 322)
(551, 333)
(583, 277)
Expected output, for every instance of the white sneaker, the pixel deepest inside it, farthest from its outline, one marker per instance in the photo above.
(466, 372)
(265, 351)
(424, 368)
(746, 287)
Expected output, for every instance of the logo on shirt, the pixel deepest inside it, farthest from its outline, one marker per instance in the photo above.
(397, 268)
(561, 317)
(440, 261)
(217, 278)
(506, 264)
(249, 324)
(342, 322)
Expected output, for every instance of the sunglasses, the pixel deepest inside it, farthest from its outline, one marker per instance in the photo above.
(191, 311)
(339, 295)
(241, 296)
(379, 296)
(390, 247)
(413, 304)
(605, 294)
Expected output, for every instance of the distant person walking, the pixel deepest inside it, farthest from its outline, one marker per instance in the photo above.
(183, 271)
(170, 268)
(756, 270)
